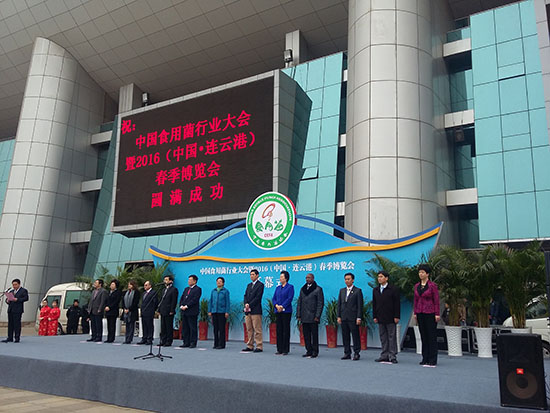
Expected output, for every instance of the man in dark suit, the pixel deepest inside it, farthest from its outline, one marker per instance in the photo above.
(386, 310)
(189, 306)
(112, 309)
(253, 312)
(149, 305)
(96, 307)
(308, 312)
(350, 313)
(167, 309)
(15, 310)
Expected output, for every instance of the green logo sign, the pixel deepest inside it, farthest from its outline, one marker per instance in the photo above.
(270, 220)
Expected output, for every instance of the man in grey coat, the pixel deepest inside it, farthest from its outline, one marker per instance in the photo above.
(308, 312)
(96, 307)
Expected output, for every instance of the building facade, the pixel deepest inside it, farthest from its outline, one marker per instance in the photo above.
(416, 112)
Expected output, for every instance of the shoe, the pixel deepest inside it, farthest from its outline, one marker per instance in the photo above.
(98, 341)
(306, 355)
(192, 345)
(91, 339)
(314, 355)
(257, 350)
(431, 364)
(109, 341)
(16, 341)
(141, 342)
(380, 359)
(247, 349)
(127, 342)
(168, 345)
(6, 341)
(346, 357)
(184, 345)
(285, 354)
(422, 363)
(149, 343)
(393, 361)
(356, 357)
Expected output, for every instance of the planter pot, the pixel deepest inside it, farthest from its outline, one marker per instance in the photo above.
(332, 336)
(526, 330)
(177, 333)
(454, 340)
(226, 331)
(363, 336)
(203, 330)
(418, 340)
(245, 333)
(302, 340)
(484, 341)
(273, 333)
(156, 328)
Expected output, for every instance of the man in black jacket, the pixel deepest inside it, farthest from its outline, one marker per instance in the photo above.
(112, 309)
(386, 310)
(350, 313)
(149, 305)
(253, 312)
(167, 309)
(74, 313)
(15, 310)
(189, 306)
(308, 312)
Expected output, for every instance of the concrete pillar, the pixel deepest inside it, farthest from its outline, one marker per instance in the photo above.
(295, 41)
(129, 97)
(392, 125)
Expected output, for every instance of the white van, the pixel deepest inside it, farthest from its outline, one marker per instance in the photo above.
(65, 294)
(536, 315)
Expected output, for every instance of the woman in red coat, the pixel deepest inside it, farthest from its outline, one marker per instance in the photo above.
(426, 313)
(44, 314)
(55, 312)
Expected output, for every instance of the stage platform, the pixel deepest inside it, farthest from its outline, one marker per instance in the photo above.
(208, 380)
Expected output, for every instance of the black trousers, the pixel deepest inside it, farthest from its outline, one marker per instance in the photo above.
(351, 328)
(166, 329)
(14, 326)
(428, 332)
(283, 332)
(218, 322)
(130, 327)
(97, 326)
(148, 329)
(111, 327)
(189, 331)
(72, 327)
(311, 337)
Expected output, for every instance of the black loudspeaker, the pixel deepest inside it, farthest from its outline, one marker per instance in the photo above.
(521, 371)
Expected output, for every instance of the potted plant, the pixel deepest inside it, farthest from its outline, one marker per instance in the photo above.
(235, 316)
(298, 323)
(366, 323)
(203, 320)
(480, 285)
(269, 320)
(522, 278)
(331, 321)
(451, 267)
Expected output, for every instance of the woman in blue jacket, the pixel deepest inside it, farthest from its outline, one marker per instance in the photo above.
(282, 302)
(218, 310)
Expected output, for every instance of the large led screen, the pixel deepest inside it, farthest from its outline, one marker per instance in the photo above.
(201, 157)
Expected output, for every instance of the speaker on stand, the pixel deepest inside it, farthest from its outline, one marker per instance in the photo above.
(521, 371)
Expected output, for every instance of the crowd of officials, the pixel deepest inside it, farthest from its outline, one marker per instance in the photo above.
(310, 304)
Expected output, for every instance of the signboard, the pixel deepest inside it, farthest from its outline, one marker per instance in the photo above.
(203, 157)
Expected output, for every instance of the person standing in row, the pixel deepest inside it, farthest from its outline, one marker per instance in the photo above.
(130, 302)
(386, 310)
(74, 312)
(112, 306)
(149, 305)
(308, 312)
(167, 309)
(426, 313)
(282, 302)
(350, 313)
(218, 310)
(189, 306)
(43, 317)
(53, 318)
(253, 312)
(15, 310)
(96, 308)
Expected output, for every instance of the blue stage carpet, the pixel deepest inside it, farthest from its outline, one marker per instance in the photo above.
(204, 379)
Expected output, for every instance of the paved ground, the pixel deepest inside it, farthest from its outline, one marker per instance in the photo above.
(14, 400)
